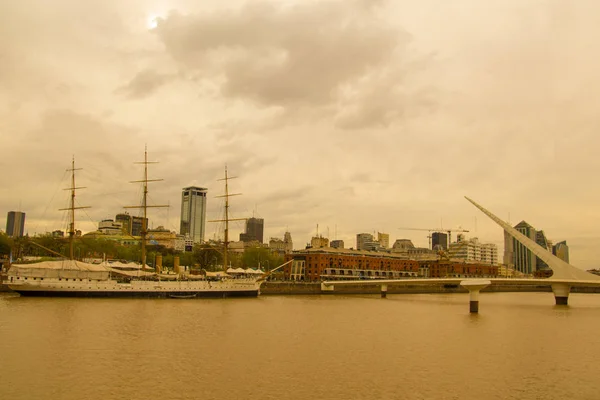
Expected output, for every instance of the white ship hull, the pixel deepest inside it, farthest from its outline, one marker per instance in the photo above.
(236, 287)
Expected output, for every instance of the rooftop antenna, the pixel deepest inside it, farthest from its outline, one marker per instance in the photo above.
(327, 232)
(317, 230)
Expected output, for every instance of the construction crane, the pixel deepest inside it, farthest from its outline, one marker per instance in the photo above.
(449, 231)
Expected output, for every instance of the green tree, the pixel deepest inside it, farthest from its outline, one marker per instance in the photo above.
(207, 257)
(255, 257)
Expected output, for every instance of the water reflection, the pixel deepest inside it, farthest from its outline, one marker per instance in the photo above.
(330, 347)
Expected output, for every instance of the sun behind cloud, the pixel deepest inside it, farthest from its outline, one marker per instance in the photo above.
(152, 21)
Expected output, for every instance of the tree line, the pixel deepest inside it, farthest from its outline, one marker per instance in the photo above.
(202, 256)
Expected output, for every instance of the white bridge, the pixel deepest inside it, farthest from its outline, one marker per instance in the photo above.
(564, 277)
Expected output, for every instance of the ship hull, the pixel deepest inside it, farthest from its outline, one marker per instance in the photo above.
(140, 294)
(72, 287)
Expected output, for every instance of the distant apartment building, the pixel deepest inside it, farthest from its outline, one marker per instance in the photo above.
(284, 246)
(489, 253)
(371, 246)
(439, 239)
(384, 240)
(110, 227)
(337, 244)
(473, 250)
(15, 223)
(254, 230)
(318, 242)
(163, 237)
(193, 213)
(188, 243)
(361, 239)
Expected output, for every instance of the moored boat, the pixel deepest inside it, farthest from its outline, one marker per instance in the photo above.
(72, 278)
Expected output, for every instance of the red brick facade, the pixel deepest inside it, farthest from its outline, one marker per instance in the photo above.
(317, 262)
(445, 269)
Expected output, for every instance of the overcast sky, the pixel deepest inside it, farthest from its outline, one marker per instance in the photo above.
(356, 115)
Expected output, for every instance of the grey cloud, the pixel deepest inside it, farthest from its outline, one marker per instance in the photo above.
(145, 83)
(298, 57)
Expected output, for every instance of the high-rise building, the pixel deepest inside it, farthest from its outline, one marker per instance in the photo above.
(516, 254)
(15, 223)
(193, 213)
(439, 239)
(254, 230)
(540, 238)
(522, 259)
(473, 250)
(125, 220)
(561, 250)
(110, 227)
(318, 242)
(361, 239)
(383, 239)
(284, 246)
(489, 253)
(136, 226)
(337, 244)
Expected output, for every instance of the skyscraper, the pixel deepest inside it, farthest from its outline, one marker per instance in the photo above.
(361, 239)
(136, 225)
(15, 223)
(126, 222)
(383, 239)
(193, 213)
(561, 250)
(439, 239)
(517, 254)
(254, 230)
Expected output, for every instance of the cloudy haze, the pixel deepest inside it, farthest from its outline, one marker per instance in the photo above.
(356, 115)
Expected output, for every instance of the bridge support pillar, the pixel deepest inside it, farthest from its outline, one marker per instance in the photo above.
(474, 287)
(561, 293)
(383, 291)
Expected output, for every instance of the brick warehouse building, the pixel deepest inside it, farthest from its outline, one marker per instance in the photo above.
(457, 269)
(314, 264)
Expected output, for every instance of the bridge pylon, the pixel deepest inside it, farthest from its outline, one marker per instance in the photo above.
(561, 293)
(474, 286)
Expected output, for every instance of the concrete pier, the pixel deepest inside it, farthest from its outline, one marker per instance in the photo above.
(383, 291)
(561, 293)
(326, 288)
(474, 287)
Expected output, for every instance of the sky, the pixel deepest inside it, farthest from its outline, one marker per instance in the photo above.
(354, 115)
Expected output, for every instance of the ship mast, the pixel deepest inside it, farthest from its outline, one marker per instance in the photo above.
(72, 207)
(145, 206)
(227, 195)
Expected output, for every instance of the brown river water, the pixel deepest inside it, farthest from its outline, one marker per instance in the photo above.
(426, 346)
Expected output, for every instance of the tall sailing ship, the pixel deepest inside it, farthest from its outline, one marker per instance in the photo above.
(72, 278)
